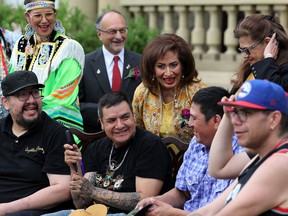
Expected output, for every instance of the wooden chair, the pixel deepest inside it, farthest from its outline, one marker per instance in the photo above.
(86, 138)
(176, 148)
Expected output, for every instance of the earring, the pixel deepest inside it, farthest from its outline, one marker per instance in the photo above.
(153, 78)
(29, 31)
(182, 76)
(58, 27)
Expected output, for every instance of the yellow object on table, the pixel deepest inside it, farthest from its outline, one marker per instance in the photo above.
(93, 210)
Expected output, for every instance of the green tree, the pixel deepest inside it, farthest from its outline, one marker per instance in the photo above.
(9, 15)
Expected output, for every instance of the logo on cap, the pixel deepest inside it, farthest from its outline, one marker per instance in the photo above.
(245, 90)
(25, 77)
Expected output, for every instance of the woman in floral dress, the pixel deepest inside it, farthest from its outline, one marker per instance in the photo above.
(162, 101)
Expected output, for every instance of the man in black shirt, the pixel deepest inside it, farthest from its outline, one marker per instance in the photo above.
(34, 178)
(124, 167)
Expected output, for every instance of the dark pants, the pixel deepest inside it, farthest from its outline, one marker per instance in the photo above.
(35, 212)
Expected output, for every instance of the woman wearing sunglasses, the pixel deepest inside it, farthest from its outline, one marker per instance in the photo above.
(263, 43)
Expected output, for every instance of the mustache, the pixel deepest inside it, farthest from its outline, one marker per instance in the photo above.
(116, 40)
(25, 107)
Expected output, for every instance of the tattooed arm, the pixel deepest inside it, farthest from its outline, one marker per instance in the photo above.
(79, 200)
(121, 200)
(126, 201)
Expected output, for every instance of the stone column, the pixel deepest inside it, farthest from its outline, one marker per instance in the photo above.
(198, 32)
(152, 16)
(136, 10)
(213, 33)
(247, 9)
(90, 8)
(283, 11)
(264, 9)
(167, 23)
(183, 28)
(104, 5)
(229, 41)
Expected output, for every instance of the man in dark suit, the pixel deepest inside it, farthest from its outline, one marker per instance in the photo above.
(98, 71)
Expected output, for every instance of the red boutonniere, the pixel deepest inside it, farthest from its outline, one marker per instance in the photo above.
(184, 117)
(134, 73)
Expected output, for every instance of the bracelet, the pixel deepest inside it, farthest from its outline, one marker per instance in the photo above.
(268, 55)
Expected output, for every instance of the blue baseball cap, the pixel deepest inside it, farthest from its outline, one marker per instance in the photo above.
(260, 94)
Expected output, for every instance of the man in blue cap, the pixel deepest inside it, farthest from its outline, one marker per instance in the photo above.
(259, 119)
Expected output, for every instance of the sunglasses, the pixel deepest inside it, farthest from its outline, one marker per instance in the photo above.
(247, 50)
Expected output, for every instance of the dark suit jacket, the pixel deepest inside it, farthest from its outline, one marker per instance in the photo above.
(95, 84)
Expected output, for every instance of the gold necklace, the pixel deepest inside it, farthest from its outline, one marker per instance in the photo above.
(111, 166)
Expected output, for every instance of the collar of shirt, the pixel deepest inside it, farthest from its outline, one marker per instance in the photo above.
(109, 62)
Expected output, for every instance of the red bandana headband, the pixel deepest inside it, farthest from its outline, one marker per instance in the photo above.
(40, 4)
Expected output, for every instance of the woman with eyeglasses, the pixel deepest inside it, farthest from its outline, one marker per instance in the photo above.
(56, 59)
(263, 43)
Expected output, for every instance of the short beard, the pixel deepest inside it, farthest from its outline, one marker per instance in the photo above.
(27, 124)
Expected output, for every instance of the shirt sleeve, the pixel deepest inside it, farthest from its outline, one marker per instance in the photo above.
(180, 179)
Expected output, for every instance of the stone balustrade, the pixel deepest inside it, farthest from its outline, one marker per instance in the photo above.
(207, 26)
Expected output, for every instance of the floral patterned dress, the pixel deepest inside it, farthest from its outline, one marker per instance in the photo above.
(148, 110)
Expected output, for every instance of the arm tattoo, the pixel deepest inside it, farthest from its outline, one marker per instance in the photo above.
(92, 178)
(121, 200)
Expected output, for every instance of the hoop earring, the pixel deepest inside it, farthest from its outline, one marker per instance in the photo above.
(29, 31)
(58, 27)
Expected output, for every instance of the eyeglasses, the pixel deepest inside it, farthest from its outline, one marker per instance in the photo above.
(38, 17)
(241, 114)
(248, 49)
(113, 32)
(24, 95)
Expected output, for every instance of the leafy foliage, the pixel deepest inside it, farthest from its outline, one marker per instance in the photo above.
(82, 29)
(78, 27)
(9, 15)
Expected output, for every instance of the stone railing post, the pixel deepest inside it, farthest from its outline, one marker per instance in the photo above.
(136, 10)
(152, 16)
(167, 22)
(247, 9)
(198, 32)
(213, 34)
(283, 11)
(264, 9)
(183, 27)
(229, 41)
